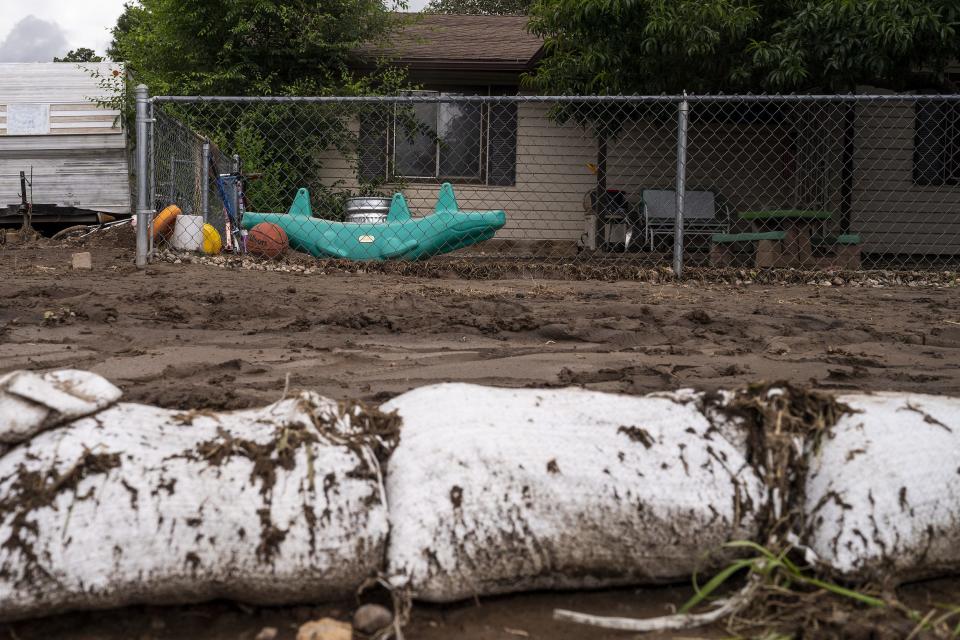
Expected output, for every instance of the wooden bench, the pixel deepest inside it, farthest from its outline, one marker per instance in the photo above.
(769, 247)
(843, 250)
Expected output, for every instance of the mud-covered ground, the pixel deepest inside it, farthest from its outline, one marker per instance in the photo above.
(190, 335)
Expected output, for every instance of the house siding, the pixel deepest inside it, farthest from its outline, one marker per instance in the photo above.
(546, 201)
(893, 214)
(795, 163)
(552, 177)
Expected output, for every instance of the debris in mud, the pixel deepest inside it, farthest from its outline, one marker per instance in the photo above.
(61, 316)
(487, 269)
(780, 419)
(280, 451)
(33, 490)
(698, 316)
(325, 629)
(355, 426)
(786, 589)
(637, 434)
(370, 618)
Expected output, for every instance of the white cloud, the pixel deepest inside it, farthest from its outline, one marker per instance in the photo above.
(85, 23)
(32, 40)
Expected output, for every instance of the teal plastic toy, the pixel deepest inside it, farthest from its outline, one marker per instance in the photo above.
(401, 236)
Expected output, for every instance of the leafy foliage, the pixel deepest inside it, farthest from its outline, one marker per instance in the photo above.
(705, 46)
(480, 7)
(259, 48)
(650, 46)
(249, 47)
(81, 54)
(837, 44)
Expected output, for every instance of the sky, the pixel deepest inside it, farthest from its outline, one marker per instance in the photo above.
(38, 30)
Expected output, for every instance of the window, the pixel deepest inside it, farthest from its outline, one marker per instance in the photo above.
(465, 142)
(936, 147)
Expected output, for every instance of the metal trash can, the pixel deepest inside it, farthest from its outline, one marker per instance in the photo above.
(369, 210)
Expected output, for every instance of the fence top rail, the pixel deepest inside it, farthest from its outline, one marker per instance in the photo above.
(894, 97)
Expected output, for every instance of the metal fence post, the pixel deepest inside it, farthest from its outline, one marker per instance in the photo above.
(205, 181)
(143, 212)
(682, 118)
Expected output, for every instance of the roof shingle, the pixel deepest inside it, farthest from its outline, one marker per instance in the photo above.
(461, 39)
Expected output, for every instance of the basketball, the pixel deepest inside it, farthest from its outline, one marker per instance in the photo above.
(267, 240)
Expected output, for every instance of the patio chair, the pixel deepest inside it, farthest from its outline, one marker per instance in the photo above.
(700, 214)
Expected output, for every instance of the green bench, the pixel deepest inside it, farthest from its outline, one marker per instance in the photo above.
(723, 253)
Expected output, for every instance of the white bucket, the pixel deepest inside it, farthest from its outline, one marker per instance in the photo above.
(188, 233)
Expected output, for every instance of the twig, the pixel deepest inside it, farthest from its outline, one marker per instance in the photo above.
(666, 623)
(920, 625)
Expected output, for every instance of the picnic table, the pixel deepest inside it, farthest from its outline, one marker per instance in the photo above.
(782, 238)
(797, 225)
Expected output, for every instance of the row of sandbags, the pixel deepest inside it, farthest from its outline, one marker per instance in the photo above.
(451, 491)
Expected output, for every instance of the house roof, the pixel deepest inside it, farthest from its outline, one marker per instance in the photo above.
(442, 41)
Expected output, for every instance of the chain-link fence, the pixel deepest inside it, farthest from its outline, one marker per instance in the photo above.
(808, 182)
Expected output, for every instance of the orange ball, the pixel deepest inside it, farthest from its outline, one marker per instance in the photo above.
(267, 240)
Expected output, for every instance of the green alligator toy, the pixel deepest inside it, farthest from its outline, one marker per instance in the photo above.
(401, 236)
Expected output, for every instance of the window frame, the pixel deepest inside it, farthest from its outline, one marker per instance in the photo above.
(948, 155)
(497, 144)
(482, 160)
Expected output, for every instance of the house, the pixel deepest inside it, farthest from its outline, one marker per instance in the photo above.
(889, 169)
(53, 128)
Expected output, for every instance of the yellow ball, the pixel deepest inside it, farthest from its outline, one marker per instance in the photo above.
(211, 240)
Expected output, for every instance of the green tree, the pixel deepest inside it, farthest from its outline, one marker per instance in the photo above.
(81, 54)
(650, 46)
(126, 22)
(480, 7)
(260, 48)
(249, 47)
(836, 45)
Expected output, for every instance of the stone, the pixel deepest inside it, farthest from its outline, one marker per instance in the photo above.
(267, 633)
(325, 629)
(82, 260)
(370, 618)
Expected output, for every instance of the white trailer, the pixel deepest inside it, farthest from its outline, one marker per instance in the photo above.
(52, 125)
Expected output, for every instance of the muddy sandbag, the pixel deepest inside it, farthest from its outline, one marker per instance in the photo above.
(500, 490)
(883, 488)
(32, 402)
(145, 505)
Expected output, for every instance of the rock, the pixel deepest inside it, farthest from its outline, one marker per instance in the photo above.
(370, 618)
(698, 316)
(325, 629)
(267, 633)
(82, 260)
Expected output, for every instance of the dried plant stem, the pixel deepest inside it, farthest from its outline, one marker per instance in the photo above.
(726, 608)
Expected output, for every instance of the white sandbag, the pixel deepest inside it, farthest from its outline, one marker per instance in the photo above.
(883, 491)
(32, 402)
(500, 490)
(145, 505)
